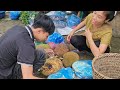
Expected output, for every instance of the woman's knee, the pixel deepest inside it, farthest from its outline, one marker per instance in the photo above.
(77, 39)
(73, 39)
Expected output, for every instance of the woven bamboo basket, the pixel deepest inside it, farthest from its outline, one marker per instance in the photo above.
(106, 66)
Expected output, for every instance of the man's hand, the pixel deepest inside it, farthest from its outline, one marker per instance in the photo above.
(49, 52)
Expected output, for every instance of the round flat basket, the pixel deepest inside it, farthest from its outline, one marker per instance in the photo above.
(106, 66)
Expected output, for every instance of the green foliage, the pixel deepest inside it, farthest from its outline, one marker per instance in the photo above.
(26, 16)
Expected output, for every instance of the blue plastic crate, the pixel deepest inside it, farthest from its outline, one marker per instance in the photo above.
(14, 15)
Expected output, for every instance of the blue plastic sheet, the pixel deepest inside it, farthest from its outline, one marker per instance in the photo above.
(14, 15)
(83, 69)
(55, 38)
(66, 73)
(73, 21)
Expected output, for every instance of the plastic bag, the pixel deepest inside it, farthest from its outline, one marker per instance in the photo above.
(60, 13)
(73, 21)
(14, 15)
(59, 19)
(52, 45)
(83, 69)
(64, 73)
(59, 24)
(55, 38)
(2, 14)
(55, 17)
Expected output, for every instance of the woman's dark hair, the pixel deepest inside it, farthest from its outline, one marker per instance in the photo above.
(109, 15)
(45, 22)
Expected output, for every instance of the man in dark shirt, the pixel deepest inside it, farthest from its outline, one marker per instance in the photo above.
(18, 56)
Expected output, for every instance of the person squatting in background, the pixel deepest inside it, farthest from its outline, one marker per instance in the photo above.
(97, 35)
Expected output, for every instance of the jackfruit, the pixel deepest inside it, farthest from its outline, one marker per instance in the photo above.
(69, 58)
(52, 65)
(61, 49)
(43, 46)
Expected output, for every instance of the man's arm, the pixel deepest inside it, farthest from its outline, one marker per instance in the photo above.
(27, 72)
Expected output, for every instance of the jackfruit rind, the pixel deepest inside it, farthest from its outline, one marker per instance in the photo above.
(61, 49)
(51, 66)
(44, 46)
(69, 58)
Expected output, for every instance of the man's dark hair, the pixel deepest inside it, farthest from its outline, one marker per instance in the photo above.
(109, 15)
(45, 22)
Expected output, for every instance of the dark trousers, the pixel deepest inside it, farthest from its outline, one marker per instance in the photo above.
(38, 62)
(79, 42)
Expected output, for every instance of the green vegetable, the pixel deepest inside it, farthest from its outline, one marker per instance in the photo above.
(26, 16)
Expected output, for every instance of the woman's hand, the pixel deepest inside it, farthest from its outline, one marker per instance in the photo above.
(88, 34)
(69, 36)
